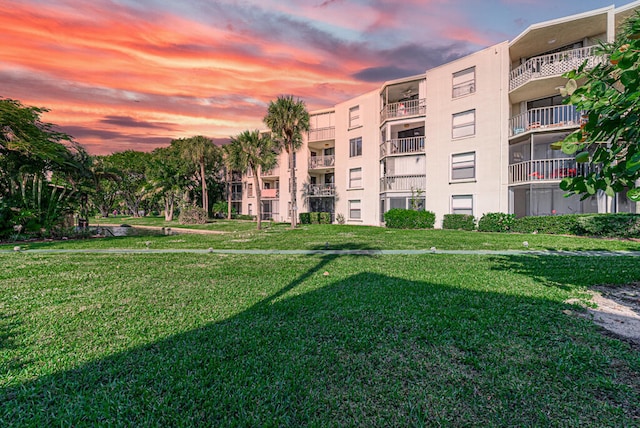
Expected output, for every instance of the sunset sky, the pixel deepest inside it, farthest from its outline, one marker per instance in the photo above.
(135, 74)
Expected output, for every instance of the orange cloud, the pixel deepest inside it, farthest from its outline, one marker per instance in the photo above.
(117, 79)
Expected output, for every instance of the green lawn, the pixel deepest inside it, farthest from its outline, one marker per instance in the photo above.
(243, 235)
(232, 340)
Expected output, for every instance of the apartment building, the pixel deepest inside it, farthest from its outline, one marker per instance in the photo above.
(471, 136)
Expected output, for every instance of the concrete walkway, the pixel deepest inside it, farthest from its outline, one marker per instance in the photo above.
(329, 252)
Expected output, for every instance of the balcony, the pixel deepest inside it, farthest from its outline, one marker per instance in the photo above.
(274, 172)
(236, 196)
(403, 182)
(270, 193)
(322, 134)
(552, 65)
(404, 109)
(322, 162)
(321, 190)
(400, 146)
(544, 118)
(542, 170)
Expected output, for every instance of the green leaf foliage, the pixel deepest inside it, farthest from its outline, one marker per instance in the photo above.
(398, 218)
(459, 222)
(609, 93)
(496, 222)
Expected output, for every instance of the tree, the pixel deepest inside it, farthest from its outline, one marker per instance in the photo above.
(39, 169)
(202, 152)
(101, 184)
(169, 175)
(608, 138)
(132, 186)
(251, 150)
(288, 119)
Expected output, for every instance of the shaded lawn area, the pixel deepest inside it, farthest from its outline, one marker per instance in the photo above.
(242, 235)
(221, 340)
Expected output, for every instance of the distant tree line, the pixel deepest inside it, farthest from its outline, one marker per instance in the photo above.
(50, 185)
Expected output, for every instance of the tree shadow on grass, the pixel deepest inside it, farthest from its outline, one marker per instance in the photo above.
(366, 350)
(566, 271)
(9, 330)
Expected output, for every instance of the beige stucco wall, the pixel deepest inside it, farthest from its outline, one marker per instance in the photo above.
(490, 142)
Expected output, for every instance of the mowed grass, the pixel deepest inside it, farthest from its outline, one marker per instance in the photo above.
(231, 340)
(243, 235)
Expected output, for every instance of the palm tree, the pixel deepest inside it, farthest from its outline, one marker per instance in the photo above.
(200, 150)
(255, 151)
(288, 119)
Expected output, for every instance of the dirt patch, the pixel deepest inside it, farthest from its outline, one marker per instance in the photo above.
(617, 310)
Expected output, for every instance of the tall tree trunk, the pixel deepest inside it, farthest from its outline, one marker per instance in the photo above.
(256, 181)
(205, 195)
(292, 189)
(229, 195)
(168, 206)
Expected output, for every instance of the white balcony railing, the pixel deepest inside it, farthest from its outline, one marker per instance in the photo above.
(322, 134)
(554, 64)
(544, 118)
(321, 189)
(321, 162)
(547, 170)
(402, 146)
(404, 109)
(403, 182)
(274, 172)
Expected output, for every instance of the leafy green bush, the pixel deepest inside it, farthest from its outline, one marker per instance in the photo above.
(325, 218)
(553, 224)
(622, 225)
(193, 215)
(340, 218)
(398, 218)
(315, 218)
(305, 218)
(242, 217)
(496, 222)
(459, 222)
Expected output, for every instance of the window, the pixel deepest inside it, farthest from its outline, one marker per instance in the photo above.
(355, 212)
(355, 178)
(250, 211)
(464, 124)
(462, 204)
(463, 166)
(250, 190)
(354, 117)
(464, 82)
(355, 147)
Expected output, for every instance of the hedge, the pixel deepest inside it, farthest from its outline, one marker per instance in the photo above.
(621, 225)
(555, 224)
(315, 218)
(459, 222)
(496, 222)
(398, 218)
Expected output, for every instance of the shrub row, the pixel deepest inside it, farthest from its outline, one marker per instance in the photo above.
(620, 225)
(398, 218)
(459, 222)
(315, 218)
